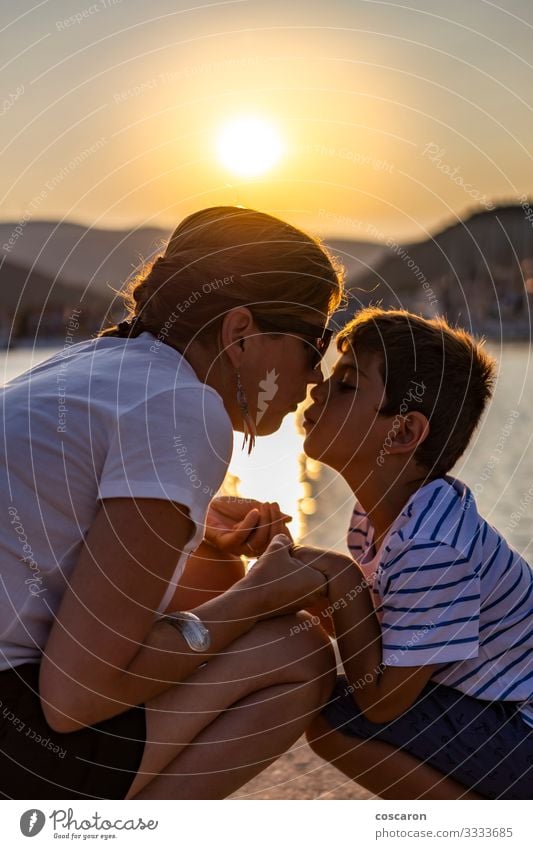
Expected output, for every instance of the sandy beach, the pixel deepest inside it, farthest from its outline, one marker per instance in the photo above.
(300, 774)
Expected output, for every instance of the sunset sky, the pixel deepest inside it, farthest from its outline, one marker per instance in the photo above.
(391, 118)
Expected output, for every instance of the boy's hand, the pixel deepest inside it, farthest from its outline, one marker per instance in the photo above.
(330, 563)
(243, 525)
(285, 584)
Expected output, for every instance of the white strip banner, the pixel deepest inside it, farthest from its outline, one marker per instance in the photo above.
(252, 825)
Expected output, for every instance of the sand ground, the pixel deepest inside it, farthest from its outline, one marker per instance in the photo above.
(300, 774)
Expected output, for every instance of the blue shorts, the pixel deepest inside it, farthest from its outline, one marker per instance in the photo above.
(486, 746)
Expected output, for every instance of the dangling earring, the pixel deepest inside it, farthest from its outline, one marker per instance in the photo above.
(249, 427)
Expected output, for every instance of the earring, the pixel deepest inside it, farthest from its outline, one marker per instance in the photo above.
(249, 427)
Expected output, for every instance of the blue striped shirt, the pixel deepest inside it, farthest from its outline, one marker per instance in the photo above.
(449, 589)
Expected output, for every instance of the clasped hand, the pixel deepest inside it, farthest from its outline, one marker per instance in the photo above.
(243, 525)
(287, 576)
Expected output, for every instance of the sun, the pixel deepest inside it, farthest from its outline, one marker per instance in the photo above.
(249, 146)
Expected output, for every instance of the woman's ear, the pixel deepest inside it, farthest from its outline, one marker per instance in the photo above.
(412, 431)
(236, 326)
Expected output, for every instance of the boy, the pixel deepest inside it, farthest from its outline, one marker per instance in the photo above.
(434, 624)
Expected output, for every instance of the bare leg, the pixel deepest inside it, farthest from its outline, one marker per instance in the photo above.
(233, 717)
(379, 767)
(235, 748)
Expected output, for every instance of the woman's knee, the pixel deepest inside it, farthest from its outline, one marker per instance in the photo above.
(315, 655)
(321, 738)
(279, 651)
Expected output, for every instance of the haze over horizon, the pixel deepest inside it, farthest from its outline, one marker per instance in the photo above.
(393, 119)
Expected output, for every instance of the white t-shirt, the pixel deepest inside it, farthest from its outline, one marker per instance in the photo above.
(106, 418)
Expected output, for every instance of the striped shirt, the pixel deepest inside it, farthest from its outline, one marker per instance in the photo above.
(449, 589)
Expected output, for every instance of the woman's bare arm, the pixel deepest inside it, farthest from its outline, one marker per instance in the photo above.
(104, 652)
(208, 573)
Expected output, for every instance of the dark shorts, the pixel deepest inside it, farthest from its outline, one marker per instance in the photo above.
(486, 746)
(97, 762)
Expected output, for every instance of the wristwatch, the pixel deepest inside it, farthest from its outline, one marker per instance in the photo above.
(191, 628)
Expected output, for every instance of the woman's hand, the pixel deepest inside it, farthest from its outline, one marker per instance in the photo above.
(243, 525)
(330, 563)
(285, 584)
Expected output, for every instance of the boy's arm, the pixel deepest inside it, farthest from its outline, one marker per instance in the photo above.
(380, 692)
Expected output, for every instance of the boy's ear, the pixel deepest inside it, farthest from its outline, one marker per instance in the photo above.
(413, 430)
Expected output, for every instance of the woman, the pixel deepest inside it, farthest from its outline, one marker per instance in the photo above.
(113, 452)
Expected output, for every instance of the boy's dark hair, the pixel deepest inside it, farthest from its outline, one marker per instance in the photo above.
(427, 365)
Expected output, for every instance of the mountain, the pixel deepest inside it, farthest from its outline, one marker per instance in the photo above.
(357, 257)
(478, 272)
(108, 258)
(35, 304)
(103, 258)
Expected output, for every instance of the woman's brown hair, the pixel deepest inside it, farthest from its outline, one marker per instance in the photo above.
(223, 257)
